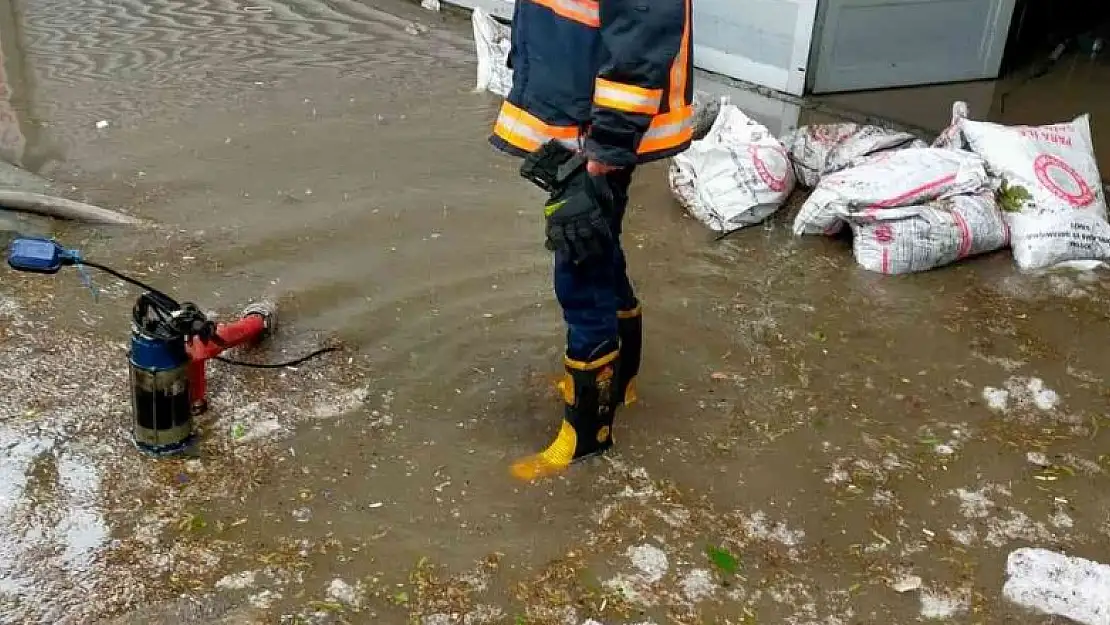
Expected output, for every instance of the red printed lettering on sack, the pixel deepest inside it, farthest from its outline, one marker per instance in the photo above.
(831, 134)
(1049, 134)
(965, 234)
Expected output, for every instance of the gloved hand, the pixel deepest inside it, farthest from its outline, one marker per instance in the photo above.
(578, 218)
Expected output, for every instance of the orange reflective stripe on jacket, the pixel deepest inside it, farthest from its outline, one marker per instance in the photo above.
(668, 130)
(524, 131)
(679, 70)
(627, 98)
(582, 11)
(527, 132)
(676, 126)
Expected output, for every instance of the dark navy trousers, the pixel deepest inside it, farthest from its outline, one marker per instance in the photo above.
(590, 294)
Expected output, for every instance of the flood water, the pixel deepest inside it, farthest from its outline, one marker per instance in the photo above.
(836, 432)
(1073, 86)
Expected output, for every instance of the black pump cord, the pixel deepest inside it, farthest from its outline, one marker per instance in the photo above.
(236, 363)
(278, 365)
(125, 278)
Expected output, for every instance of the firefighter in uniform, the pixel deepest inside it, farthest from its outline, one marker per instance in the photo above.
(609, 82)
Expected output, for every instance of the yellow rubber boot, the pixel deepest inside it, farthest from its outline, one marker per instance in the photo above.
(589, 407)
(630, 324)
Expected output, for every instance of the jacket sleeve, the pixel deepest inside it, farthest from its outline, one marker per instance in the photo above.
(641, 40)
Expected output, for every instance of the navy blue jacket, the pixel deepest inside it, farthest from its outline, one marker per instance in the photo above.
(613, 77)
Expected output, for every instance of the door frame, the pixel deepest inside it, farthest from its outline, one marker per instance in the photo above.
(792, 81)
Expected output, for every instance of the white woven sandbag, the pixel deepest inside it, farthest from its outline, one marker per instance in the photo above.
(1063, 216)
(736, 176)
(952, 138)
(888, 180)
(491, 39)
(822, 149)
(919, 238)
(1055, 163)
(1043, 240)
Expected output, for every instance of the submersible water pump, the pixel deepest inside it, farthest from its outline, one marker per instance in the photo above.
(160, 385)
(170, 345)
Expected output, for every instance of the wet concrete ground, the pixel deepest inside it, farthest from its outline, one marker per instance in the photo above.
(811, 437)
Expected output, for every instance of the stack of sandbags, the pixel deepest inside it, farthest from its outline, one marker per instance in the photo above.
(914, 209)
(910, 210)
(888, 180)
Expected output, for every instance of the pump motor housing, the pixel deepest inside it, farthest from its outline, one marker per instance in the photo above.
(160, 394)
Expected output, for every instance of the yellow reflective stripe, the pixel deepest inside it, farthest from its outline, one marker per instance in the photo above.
(523, 130)
(630, 395)
(566, 388)
(629, 314)
(582, 365)
(628, 98)
(582, 11)
(668, 130)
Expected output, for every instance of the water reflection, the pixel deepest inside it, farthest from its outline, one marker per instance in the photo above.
(20, 132)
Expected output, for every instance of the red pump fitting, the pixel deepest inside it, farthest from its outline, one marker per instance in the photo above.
(255, 324)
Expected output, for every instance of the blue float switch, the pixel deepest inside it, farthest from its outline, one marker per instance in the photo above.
(37, 255)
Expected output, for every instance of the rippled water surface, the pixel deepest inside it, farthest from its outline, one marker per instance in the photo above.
(330, 154)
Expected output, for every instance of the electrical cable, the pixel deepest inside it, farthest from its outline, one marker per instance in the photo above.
(277, 365)
(121, 276)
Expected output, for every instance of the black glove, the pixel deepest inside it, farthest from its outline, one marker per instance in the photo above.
(578, 218)
(579, 206)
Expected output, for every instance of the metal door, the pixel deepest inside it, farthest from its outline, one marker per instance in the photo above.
(875, 44)
(766, 42)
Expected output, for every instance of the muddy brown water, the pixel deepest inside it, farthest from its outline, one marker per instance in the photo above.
(1073, 86)
(826, 426)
